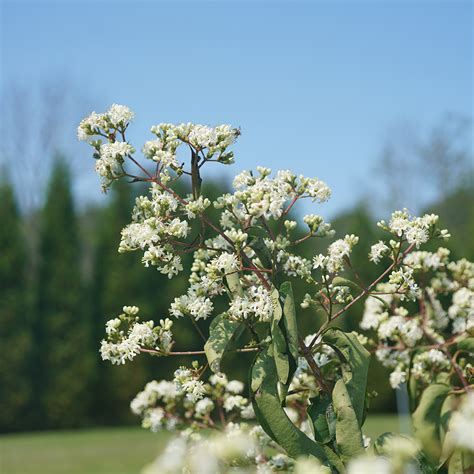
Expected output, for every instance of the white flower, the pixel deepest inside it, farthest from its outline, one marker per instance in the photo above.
(91, 125)
(306, 465)
(226, 262)
(369, 465)
(110, 164)
(247, 412)
(397, 377)
(337, 251)
(417, 235)
(257, 302)
(112, 325)
(153, 419)
(234, 401)
(120, 352)
(197, 206)
(377, 251)
(119, 115)
(199, 307)
(461, 424)
(235, 386)
(195, 390)
(204, 406)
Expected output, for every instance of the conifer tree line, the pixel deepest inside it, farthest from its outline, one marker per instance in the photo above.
(60, 285)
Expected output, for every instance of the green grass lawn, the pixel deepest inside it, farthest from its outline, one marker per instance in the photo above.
(106, 451)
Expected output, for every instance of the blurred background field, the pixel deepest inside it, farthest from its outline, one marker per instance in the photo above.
(373, 97)
(107, 451)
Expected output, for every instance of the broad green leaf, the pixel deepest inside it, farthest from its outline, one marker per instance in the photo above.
(317, 412)
(233, 282)
(279, 343)
(289, 318)
(273, 418)
(279, 350)
(340, 281)
(222, 332)
(348, 434)
(427, 420)
(358, 358)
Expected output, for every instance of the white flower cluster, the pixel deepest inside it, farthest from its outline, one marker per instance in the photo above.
(187, 383)
(262, 196)
(461, 424)
(147, 405)
(217, 453)
(257, 303)
(197, 303)
(110, 156)
(198, 307)
(110, 161)
(126, 336)
(213, 140)
(446, 308)
(239, 448)
(415, 230)
(461, 312)
(117, 118)
(208, 143)
(178, 404)
(426, 364)
(197, 206)
(377, 251)
(399, 455)
(340, 249)
(154, 226)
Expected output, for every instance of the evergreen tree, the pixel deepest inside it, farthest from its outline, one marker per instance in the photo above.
(15, 336)
(62, 333)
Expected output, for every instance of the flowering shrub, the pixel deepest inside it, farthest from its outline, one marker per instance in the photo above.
(306, 400)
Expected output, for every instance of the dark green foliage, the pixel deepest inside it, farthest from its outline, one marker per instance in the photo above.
(62, 361)
(15, 336)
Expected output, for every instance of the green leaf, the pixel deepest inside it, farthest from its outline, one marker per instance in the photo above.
(427, 420)
(222, 332)
(233, 282)
(358, 359)
(279, 343)
(340, 281)
(412, 384)
(348, 434)
(257, 244)
(279, 349)
(289, 318)
(467, 345)
(273, 418)
(317, 412)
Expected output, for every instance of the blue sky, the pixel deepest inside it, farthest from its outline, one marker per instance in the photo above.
(313, 85)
